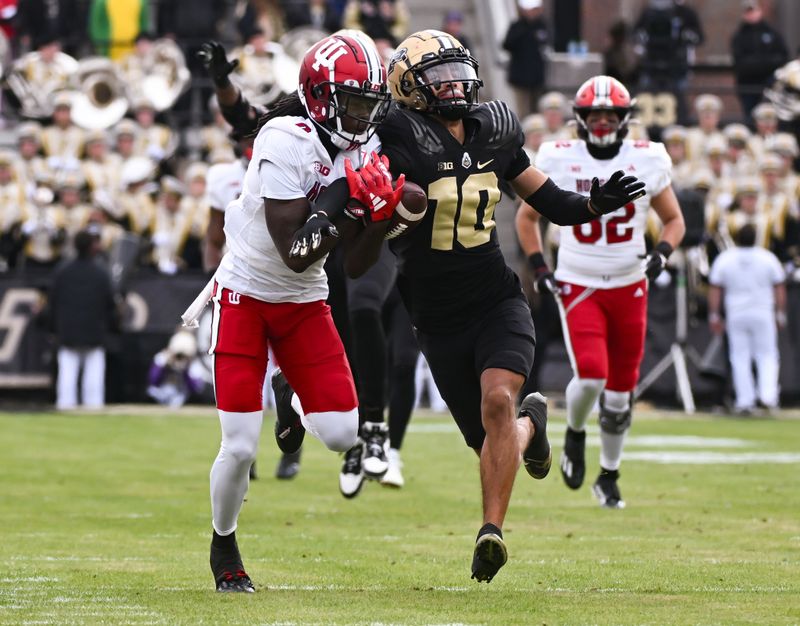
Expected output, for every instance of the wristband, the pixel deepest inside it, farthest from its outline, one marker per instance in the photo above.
(536, 261)
(664, 248)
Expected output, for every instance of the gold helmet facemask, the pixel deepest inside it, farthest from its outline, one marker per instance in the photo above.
(433, 73)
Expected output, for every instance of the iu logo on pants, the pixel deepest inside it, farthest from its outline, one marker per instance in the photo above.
(234, 297)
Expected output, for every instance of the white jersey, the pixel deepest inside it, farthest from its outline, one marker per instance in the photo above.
(289, 162)
(224, 183)
(748, 275)
(605, 253)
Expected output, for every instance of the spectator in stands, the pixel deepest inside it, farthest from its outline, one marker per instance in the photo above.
(386, 21)
(765, 118)
(758, 50)
(114, 25)
(83, 312)
(62, 141)
(553, 108)
(453, 24)
(619, 58)
(709, 110)
(13, 211)
(39, 21)
(666, 34)
(317, 13)
(525, 41)
(751, 282)
(534, 129)
(174, 374)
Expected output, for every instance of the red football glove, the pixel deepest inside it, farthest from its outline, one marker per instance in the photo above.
(371, 186)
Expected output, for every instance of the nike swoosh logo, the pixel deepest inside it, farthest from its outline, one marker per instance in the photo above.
(484, 164)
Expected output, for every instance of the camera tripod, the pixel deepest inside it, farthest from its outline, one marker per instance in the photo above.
(679, 350)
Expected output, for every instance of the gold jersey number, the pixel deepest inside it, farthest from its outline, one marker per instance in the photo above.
(466, 217)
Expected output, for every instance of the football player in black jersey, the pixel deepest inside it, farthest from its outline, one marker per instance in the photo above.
(471, 317)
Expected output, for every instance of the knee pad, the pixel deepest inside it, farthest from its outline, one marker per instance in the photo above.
(614, 422)
(338, 430)
(240, 435)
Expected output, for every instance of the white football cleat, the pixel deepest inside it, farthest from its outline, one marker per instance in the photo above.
(394, 475)
(376, 442)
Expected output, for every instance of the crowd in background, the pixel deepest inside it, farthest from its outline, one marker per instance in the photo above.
(142, 178)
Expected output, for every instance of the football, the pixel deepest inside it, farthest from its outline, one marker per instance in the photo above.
(409, 213)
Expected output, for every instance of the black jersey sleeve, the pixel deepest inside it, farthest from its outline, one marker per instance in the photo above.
(518, 164)
(397, 135)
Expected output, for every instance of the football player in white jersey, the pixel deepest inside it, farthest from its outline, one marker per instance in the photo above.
(270, 288)
(601, 280)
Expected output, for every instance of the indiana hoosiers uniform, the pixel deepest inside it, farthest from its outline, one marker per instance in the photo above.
(224, 183)
(603, 287)
(465, 302)
(602, 273)
(261, 301)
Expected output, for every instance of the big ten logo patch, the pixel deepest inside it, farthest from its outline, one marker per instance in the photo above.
(321, 168)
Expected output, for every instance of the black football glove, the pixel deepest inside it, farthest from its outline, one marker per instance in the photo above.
(544, 280)
(616, 192)
(215, 60)
(655, 261)
(310, 235)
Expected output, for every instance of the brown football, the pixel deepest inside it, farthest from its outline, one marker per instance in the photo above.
(409, 213)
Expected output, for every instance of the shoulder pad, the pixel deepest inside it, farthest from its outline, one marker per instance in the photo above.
(499, 125)
(292, 125)
(403, 127)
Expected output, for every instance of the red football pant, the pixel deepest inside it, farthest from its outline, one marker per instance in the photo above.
(606, 330)
(305, 344)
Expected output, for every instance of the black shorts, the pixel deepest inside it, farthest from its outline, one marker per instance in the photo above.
(504, 338)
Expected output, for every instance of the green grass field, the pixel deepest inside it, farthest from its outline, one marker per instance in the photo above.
(105, 519)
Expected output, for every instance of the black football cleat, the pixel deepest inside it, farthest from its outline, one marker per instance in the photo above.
(537, 456)
(351, 476)
(289, 429)
(288, 466)
(374, 463)
(606, 491)
(489, 556)
(573, 458)
(229, 574)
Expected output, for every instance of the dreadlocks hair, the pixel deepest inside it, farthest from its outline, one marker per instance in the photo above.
(287, 106)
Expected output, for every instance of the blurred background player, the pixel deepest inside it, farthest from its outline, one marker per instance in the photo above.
(601, 280)
(174, 373)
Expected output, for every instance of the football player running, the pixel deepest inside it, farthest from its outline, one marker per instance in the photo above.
(270, 288)
(473, 323)
(602, 275)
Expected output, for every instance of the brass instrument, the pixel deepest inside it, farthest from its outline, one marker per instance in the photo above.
(99, 101)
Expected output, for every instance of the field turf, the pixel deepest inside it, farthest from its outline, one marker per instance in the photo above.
(105, 520)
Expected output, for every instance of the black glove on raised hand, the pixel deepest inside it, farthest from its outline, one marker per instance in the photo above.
(215, 60)
(616, 192)
(310, 235)
(656, 260)
(544, 280)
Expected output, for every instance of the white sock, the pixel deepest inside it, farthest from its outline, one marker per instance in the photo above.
(230, 473)
(582, 393)
(611, 444)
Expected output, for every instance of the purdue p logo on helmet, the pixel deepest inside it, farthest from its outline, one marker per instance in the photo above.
(432, 72)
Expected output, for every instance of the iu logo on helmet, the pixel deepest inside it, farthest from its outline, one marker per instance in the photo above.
(327, 54)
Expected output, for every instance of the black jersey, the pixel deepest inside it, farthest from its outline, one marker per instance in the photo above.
(451, 269)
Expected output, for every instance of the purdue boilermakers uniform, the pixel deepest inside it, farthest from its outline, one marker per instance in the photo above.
(466, 304)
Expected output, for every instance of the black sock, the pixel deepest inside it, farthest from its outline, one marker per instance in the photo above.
(488, 529)
(369, 341)
(608, 472)
(224, 542)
